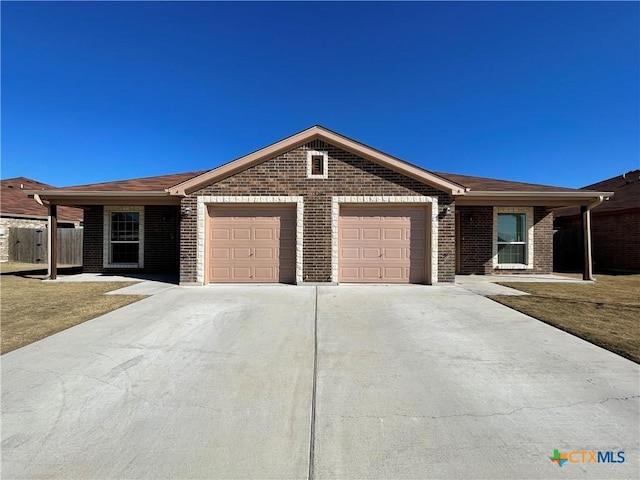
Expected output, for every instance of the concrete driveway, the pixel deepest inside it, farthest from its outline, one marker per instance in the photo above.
(227, 382)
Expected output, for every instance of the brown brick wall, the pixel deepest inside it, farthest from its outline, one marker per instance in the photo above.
(161, 243)
(161, 239)
(348, 175)
(476, 241)
(92, 239)
(615, 240)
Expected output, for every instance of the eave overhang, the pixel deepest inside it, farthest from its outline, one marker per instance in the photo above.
(306, 136)
(94, 197)
(532, 198)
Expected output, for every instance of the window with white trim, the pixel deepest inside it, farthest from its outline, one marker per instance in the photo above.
(317, 164)
(124, 237)
(512, 245)
(513, 238)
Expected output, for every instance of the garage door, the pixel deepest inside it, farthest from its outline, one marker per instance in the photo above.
(382, 245)
(251, 244)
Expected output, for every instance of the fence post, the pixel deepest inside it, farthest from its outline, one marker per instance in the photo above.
(53, 242)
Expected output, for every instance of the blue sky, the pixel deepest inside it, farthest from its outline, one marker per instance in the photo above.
(539, 92)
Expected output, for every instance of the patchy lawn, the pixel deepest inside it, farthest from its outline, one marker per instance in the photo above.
(606, 313)
(31, 309)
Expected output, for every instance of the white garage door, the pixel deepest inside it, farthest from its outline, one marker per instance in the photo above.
(251, 244)
(382, 244)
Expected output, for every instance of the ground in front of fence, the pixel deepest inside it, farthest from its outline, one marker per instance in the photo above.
(32, 309)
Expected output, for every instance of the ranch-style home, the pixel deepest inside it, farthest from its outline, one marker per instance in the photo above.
(318, 207)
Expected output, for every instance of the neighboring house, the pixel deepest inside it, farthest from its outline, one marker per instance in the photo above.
(615, 228)
(317, 207)
(16, 211)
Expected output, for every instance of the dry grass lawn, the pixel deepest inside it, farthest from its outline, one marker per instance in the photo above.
(606, 313)
(31, 309)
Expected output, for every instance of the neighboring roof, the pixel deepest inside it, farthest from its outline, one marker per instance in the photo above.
(493, 184)
(317, 132)
(15, 203)
(626, 188)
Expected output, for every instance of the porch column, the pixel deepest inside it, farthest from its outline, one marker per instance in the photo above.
(52, 242)
(587, 271)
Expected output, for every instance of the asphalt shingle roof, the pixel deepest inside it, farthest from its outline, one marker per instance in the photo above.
(14, 201)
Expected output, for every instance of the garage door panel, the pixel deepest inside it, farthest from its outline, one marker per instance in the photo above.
(241, 234)
(241, 272)
(221, 272)
(371, 253)
(264, 273)
(350, 253)
(371, 273)
(382, 244)
(350, 274)
(265, 253)
(241, 253)
(263, 234)
(394, 233)
(394, 273)
(220, 234)
(394, 253)
(220, 253)
(347, 233)
(251, 244)
(371, 234)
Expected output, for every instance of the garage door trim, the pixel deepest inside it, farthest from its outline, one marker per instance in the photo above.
(432, 275)
(204, 201)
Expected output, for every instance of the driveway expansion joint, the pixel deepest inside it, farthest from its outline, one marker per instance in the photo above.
(485, 415)
(312, 429)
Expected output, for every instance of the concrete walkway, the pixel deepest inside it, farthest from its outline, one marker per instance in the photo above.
(346, 382)
(487, 285)
(148, 284)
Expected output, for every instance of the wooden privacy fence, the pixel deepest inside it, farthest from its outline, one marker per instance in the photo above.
(29, 245)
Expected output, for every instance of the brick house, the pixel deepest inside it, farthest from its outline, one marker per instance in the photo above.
(615, 228)
(16, 211)
(318, 207)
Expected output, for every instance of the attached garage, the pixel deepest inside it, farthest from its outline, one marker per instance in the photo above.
(383, 244)
(251, 244)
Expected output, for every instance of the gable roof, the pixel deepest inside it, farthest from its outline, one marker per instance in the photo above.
(468, 190)
(316, 132)
(626, 188)
(146, 184)
(14, 201)
(147, 191)
(484, 184)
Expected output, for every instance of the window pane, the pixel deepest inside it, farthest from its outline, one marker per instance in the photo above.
(124, 253)
(514, 253)
(511, 227)
(125, 226)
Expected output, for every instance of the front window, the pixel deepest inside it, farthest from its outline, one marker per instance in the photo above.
(512, 245)
(123, 237)
(513, 238)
